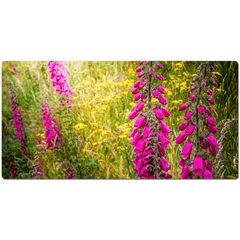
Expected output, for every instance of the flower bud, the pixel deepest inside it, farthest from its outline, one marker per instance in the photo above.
(183, 126)
(151, 71)
(161, 89)
(191, 97)
(159, 114)
(212, 141)
(201, 110)
(208, 112)
(137, 97)
(188, 115)
(155, 94)
(139, 75)
(181, 138)
(140, 106)
(136, 84)
(211, 101)
(191, 88)
(209, 92)
(138, 69)
(162, 100)
(165, 111)
(135, 91)
(189, 130)
(212, 129)
(210, 121)
(160, 77)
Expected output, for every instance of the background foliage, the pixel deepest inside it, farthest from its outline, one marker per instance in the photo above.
(95, 131)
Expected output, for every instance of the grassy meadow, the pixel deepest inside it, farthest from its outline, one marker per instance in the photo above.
(95, 131)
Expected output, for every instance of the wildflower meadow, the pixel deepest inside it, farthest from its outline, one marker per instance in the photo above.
(119, 120)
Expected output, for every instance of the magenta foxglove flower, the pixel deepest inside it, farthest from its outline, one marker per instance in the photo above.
(15, 70)
(213, 76)
(155, 94)
(138, 69)
(208, 112)
(139, 74)
(136, 84)
(185, 172)
(137, 97)
(181, 162)
(135, 139)
(209, 92)
(160, 77)
(183, 107)
(191, 88)
(201, 110)
(151, 71)
(135, 91)
(210, 121)
(186, 151)
(162, 100)
(166, 130)
(58, 74)
(163, 139)
(188, 115)
(150, 137)
(197, 165)
(214, 83)
(142, 84)
(207, 174)
(183, 126)
(160, 65)
(208, 165)
(203, 141)
(211, 101)
(213, 150)
(191, 97)
(18, 124)
(165, 111)
(140, 106)
(161, 89)
(181, 138)
(140, 122)
(212, 141)
(51, 132)
(212, 129)
(189, 130)
(133, 114)
(159, 114)
(164, 164)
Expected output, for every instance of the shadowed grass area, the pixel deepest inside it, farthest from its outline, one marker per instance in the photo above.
(95, 131)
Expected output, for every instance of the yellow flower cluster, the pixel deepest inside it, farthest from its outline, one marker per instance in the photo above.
(41, 135)
(80, 126)
(131, 72)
